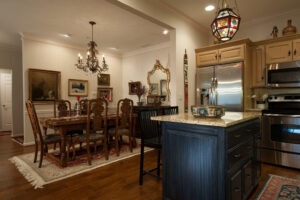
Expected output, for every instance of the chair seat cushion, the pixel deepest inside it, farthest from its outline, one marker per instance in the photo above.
(51, 138)
(154, 142)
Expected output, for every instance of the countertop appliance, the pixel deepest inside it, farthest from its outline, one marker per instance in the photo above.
(284, 74)
(220, 85)
(280, 140)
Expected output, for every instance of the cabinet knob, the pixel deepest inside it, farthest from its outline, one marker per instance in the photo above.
(289, 53)
(219, 56)
(216, 56)
(295, 52)
(262, 78)
(237, 189)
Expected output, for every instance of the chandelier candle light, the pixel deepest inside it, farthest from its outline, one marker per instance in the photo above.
(226, 23)
(92, 63)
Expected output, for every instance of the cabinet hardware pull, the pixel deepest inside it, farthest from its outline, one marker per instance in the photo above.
(237, 136)
(295, 52)
(216, 56)
(237, 155)
(237, 189)
(289, 53)
(219, 56)
(262, 78)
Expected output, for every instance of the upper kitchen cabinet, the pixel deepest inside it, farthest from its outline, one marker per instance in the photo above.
(283, 51)
(258, 66)
(220, 55)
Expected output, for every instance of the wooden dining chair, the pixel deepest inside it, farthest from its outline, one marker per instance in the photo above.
(96, 127)
(42, 140)
(123, 124)
(62, 108)
(150, 137)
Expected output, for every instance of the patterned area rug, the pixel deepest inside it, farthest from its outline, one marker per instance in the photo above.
(51, 171)
(280, 188)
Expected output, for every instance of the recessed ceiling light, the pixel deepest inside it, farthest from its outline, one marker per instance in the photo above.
(209, 8)
(165, 32)
(66, 35)
(114, 48)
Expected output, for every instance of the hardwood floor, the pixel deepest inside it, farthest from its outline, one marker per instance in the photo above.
(118, 181)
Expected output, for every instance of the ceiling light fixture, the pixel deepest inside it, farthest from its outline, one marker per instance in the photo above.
(66, 35)
(226, 23)
(165, 32)
(209, 8)
(92, 63)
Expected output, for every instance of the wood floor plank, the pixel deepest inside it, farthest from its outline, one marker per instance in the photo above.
(117, 181)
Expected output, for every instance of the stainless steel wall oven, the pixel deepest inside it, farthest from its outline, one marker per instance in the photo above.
(280, 143)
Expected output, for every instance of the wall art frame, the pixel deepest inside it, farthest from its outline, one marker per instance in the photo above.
(44, 85)
(77, 87)
(106, 93)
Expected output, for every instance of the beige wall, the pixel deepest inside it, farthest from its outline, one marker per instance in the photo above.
(11, 58)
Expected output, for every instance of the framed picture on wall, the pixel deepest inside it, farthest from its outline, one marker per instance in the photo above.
(104, 80)
(77, 87)
(43, 85)
(106, 93)
(132, 87)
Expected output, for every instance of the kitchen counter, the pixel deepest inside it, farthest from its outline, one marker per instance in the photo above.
(229, 119)
(210, 158)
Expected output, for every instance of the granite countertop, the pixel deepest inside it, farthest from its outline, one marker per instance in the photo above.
(229, 119)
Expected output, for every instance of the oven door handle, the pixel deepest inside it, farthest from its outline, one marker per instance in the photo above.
(280, 115)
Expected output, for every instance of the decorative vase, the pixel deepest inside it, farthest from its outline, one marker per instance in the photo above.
(290, 29)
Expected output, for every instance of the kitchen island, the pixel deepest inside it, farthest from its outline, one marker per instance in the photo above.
(210, 158)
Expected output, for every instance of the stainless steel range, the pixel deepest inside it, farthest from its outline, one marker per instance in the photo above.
(280, 143)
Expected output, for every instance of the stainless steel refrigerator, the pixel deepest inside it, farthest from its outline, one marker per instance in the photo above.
(220, 85)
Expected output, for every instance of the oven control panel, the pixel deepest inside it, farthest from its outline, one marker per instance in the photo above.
(284, 98)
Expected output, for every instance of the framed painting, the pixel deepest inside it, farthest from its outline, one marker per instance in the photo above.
(132, 87)
(106, 93)
(44, 85)
(104, 80)
(77, 87)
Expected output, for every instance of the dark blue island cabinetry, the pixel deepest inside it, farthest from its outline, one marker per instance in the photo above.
(207, 160)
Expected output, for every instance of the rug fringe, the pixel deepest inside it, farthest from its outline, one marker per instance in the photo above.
(34, 179)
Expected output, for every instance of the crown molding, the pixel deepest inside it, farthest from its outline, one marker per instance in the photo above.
(147, 49)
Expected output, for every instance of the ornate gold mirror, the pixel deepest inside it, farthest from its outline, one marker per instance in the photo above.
(158, 81)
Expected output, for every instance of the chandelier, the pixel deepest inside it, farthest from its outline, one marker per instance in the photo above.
(226, 23)
(92, 63)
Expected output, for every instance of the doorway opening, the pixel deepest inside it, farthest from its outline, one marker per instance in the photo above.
(5, 100)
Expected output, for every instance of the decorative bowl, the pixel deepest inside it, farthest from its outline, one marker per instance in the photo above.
(208, 111)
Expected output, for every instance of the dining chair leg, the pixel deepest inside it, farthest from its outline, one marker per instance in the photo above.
(141, 165)
(105, 144)
(130, 143)
(158, 162)
(117, 145)
(89, 154)
(36, 151)
(41, 155)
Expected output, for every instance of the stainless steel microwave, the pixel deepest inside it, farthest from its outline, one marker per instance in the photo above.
(284, 74)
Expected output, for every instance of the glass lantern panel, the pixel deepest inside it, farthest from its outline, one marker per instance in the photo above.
(234, 22)
(222, 22)
(223, 13)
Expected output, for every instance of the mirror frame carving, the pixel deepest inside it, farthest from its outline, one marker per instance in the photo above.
(158, 66)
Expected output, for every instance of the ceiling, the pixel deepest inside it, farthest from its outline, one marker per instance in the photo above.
(116, 27)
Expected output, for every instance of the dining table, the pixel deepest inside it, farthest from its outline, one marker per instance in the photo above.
(72, 123)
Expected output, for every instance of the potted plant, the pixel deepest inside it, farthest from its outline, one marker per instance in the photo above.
(139, 90)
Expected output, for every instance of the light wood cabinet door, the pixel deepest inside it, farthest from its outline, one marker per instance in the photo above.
(279, 52)
(231, 54)
(207, 58)
(296, 49)
(259, 66)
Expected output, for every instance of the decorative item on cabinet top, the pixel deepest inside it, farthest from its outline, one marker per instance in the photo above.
(77, 87)
(274, 32)
(290, 29)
